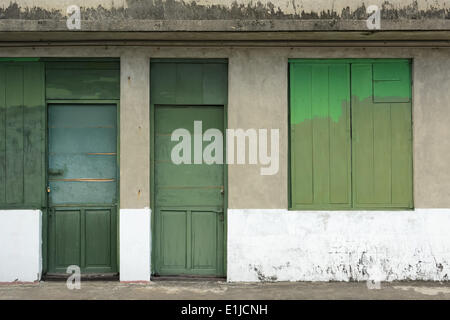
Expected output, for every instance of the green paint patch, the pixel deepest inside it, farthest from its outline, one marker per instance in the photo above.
(302, 114)
(318, 91)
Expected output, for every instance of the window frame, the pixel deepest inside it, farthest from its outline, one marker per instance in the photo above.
(353, 206)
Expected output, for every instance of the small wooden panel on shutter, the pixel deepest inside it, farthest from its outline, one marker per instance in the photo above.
(391, 82)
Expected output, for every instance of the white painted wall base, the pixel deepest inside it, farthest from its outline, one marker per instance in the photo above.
(135, 244)
(20, 245)
(282, 245)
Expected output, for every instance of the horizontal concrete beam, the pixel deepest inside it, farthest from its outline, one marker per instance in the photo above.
(187, 38)
(217, 25)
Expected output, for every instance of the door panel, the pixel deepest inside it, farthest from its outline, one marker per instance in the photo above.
(67, 223)
(82, 177)
(173, 239)
(98, 237)
(189, 197)
(204, 239)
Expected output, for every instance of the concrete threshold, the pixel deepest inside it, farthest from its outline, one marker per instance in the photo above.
(219, 290)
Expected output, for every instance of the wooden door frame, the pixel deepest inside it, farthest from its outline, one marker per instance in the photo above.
(45, 211)
(152, 169)
(152, 185)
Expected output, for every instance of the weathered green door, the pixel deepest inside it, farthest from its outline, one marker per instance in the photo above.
(189, 197)
(82, 179)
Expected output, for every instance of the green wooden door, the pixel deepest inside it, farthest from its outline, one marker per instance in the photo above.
(82, 180)
(189, 198)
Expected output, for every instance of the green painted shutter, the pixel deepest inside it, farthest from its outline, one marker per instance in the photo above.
(382, 137)
(320, 135)
(367, 168)
(22, 135)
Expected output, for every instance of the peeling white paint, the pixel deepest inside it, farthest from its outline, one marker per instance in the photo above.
(20, 245)
(282, 245)
(135, 244)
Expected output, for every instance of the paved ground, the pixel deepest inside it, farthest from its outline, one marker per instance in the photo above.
(204, 290)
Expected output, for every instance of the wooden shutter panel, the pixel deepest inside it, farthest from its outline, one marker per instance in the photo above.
(320, 135)
(22, 133)
(381, 142)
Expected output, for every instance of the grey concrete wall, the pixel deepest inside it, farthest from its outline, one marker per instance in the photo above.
(291, 7)
(134, 131)
(431, 116)
(220, 9)
(229, 15)
(263, 95)
(258, 98)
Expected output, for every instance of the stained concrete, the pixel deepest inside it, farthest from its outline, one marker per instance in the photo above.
(224, 9)
(134, 131)
(210, 290)
(227, 15)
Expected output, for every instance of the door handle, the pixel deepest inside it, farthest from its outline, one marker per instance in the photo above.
(222, 190)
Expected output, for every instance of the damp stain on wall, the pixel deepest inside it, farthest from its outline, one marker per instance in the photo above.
(191, 10)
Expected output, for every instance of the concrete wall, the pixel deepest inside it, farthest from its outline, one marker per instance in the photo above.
(135, 245)
(227, 15)
(258, 99)
(286, 6)
(20, 245)
(281, 245)
(134, 131)
(220, 9)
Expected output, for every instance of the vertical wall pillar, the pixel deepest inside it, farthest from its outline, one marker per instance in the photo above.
(257, 99)
(134, 221)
